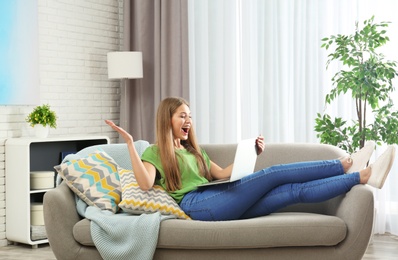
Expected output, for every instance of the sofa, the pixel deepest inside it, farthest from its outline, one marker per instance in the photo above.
(339, 228)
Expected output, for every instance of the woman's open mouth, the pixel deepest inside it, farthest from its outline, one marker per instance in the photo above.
(185, 130)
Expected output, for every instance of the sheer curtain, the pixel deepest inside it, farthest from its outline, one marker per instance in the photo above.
(213, 67)
(257, 67)
(284, 67)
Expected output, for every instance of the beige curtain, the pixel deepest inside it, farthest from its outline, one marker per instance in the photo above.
(159, 29)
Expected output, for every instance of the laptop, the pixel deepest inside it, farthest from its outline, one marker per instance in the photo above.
(244, 162)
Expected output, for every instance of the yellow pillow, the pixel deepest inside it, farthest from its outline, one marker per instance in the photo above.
(137, 201)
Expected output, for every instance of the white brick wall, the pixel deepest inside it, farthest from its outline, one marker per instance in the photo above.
(74, 37)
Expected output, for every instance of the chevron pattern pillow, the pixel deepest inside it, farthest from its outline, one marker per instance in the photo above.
(94, 179)
(137, 201)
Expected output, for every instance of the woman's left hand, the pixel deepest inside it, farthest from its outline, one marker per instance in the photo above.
(260, 144)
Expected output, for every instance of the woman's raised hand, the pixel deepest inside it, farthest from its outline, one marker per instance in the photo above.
(126, 136)
(260, 144)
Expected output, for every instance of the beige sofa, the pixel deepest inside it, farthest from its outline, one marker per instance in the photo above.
(336, 229)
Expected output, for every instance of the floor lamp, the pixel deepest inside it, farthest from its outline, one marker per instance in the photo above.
(124, 65)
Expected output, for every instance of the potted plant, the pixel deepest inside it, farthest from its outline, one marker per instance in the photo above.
(367, 77)
(41, 118)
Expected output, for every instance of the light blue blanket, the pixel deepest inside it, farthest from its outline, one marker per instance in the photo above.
(123, 236)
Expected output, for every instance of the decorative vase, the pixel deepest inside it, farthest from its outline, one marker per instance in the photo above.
(41, 131)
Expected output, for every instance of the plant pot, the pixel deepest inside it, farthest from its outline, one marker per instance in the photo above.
(41, 131)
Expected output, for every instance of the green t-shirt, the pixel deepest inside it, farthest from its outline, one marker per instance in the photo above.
(190, 177)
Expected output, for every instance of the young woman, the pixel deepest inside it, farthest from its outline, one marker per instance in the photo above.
(179, 165)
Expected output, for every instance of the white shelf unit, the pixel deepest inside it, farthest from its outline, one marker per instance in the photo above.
(24, 155)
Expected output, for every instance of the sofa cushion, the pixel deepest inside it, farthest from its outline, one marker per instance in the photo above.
(275, 230)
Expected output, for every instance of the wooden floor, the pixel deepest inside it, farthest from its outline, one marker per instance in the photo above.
(382, 247)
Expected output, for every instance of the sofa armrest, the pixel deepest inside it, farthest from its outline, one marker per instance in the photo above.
(60, 215)
(356, 208)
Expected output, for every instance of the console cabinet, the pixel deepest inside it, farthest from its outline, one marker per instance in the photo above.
(23, 156)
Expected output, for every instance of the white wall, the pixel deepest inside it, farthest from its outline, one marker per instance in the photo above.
(74, 37)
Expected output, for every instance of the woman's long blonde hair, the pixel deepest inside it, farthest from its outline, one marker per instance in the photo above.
(165, 143)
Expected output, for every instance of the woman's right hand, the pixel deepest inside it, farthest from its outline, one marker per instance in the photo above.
(126, 136)
(145, 173)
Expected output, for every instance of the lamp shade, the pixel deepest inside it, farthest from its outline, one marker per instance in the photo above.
(125, 65)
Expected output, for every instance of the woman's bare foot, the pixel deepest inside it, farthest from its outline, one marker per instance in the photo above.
(346, 162)
(364, 175)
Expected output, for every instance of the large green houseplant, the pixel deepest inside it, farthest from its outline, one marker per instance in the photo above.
(367, 76)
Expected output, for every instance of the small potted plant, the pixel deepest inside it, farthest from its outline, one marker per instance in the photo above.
(41, 119)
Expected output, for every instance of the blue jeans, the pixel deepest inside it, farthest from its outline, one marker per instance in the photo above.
(269, 190)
